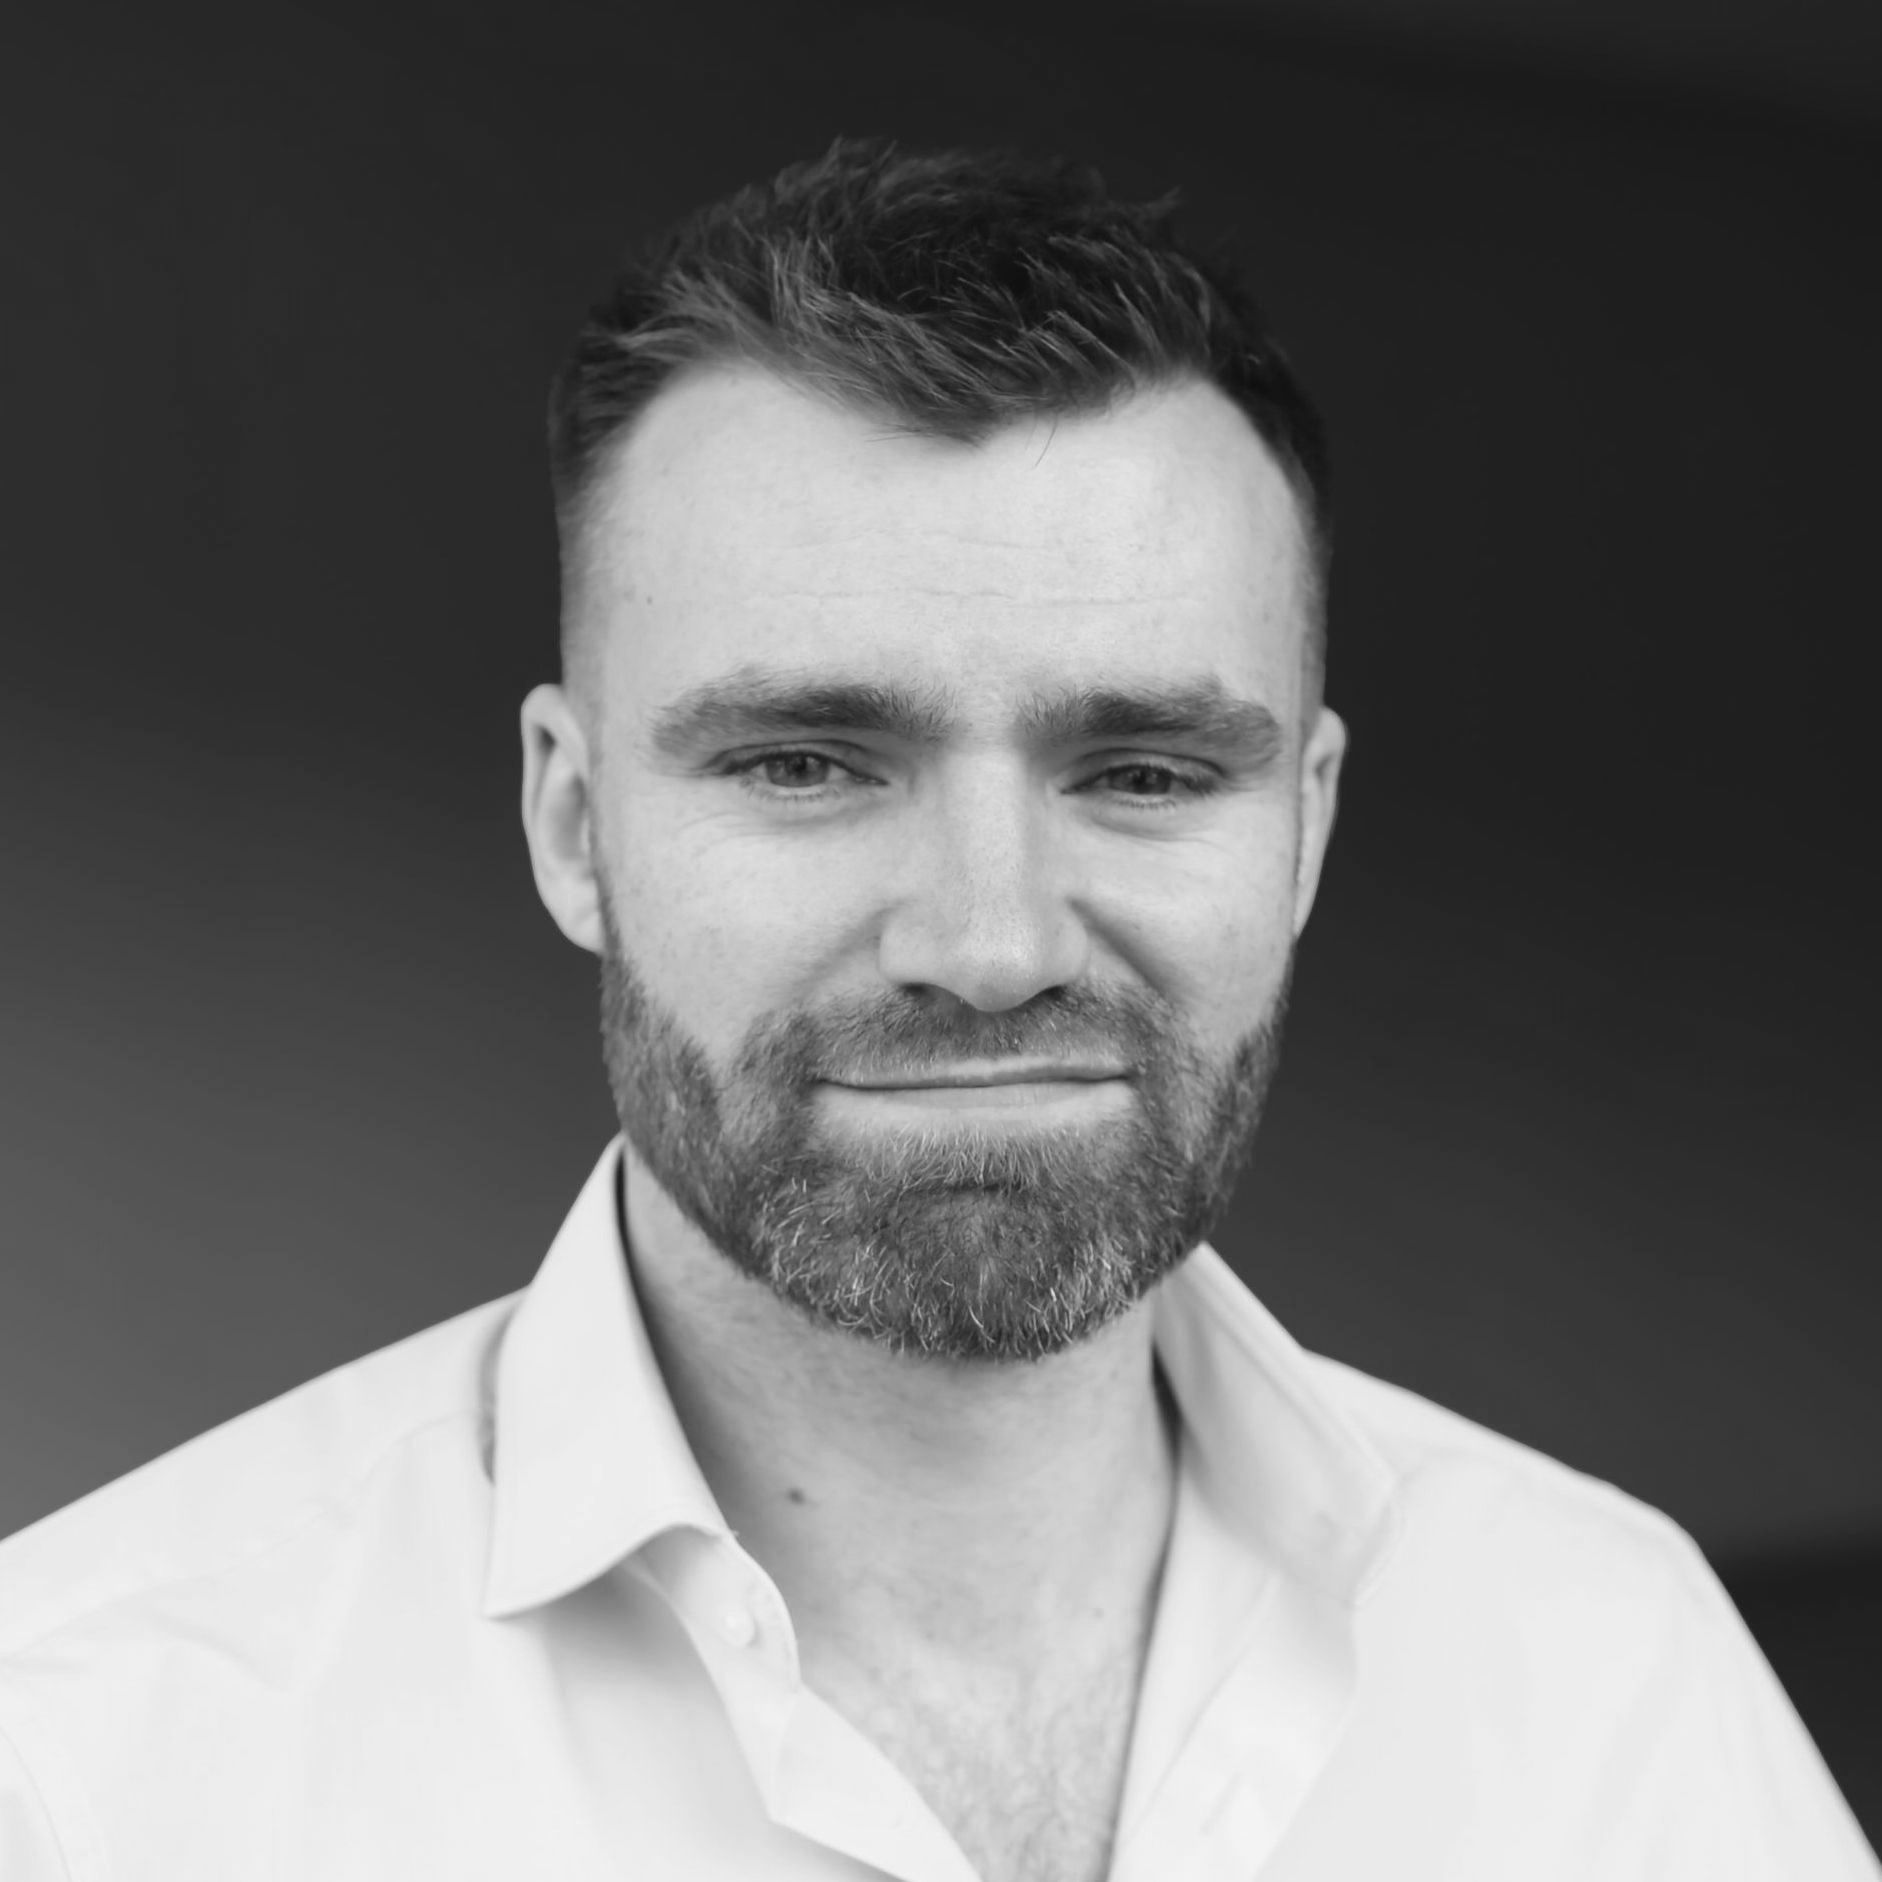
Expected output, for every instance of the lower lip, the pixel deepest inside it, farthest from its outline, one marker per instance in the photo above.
(1056, 1096)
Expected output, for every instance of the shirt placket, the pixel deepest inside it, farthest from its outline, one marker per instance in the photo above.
(1256, 1748)
(814, 1772)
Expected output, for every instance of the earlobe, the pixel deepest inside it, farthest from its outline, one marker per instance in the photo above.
(558, 815)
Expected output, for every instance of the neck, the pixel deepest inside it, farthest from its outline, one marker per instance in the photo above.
(880, 1490)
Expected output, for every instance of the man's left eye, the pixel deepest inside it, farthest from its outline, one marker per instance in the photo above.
(795, 770)
(1145, 780)
(1155, 781)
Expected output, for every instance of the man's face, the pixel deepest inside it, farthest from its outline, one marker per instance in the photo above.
(951, 843)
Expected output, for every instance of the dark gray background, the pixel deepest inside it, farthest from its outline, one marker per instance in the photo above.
(1574, 1130)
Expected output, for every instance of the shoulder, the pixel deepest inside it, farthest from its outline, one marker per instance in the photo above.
(1488, 1509)
(1430, 1447)
(1578, 1642)
(1563, 1601)
(235, 1491)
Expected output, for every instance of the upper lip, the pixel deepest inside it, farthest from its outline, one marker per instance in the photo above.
(1004, 1072)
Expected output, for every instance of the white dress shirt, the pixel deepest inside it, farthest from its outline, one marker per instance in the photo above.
(466, 1608)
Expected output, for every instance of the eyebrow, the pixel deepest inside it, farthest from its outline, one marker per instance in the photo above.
(1204, 712)
(753, 703)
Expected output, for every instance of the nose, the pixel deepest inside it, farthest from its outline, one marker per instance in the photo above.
(980, 907)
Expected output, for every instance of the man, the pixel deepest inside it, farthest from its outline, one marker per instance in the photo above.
(881, 1476)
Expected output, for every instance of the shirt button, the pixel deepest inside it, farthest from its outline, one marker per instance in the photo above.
(737, 1627)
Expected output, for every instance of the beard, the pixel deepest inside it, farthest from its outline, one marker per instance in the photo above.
(953, 1244)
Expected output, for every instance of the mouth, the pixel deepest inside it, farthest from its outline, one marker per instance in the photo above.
(1007, 1089)
(992, 1076)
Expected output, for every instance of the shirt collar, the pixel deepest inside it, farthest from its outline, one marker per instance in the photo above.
(1270, 1448)
(590, 1462)
(588, 1455)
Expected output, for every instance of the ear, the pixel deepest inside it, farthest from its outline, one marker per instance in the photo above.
(558, 815)
(1319, 800)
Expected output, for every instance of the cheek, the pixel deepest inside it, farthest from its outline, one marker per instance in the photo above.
(724, 931)
(1228, 974)
(1219, 943)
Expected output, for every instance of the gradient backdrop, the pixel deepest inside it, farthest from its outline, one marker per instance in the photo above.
(1575, 1128)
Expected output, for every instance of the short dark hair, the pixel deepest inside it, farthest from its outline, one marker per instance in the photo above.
(951, 292)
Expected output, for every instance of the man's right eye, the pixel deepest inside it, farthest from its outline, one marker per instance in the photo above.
(794, 777)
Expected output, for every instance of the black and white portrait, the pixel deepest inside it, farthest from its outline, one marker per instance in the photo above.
(937, 943)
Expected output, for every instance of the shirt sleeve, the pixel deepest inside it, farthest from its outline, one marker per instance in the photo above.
(29, 1845)
(1737, 1763)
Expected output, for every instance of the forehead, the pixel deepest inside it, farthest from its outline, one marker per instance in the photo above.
(746, 519)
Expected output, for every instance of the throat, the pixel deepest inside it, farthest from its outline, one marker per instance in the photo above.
(1021, 1755)
(1065, 1552)
(1014, 1718)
